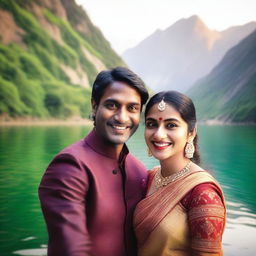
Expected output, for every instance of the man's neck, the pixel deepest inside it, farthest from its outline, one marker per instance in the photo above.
(113, 150)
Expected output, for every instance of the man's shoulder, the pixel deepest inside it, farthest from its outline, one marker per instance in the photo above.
(73, 148)
(77, 150)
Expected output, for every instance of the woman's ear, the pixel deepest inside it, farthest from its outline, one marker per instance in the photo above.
(192, 134)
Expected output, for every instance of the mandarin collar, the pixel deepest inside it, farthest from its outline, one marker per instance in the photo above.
(98, 145)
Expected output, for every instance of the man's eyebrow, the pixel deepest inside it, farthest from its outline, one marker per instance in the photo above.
(134, 103)
(111, 100)
(117, 102)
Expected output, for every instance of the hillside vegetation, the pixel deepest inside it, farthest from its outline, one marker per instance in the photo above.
(228, 92)
(50, 53)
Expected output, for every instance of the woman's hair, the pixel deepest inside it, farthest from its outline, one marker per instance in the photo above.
(185, 106)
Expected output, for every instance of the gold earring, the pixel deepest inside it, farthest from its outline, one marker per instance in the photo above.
(149, 153)
(189, 149)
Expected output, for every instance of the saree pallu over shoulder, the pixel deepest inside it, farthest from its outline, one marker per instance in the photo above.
(153, 209)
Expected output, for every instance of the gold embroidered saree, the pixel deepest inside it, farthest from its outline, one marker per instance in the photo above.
(164, 227)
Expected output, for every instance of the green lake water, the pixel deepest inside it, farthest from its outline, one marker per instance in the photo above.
(227, 151)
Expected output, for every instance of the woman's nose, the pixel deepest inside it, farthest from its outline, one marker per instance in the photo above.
(160, 133)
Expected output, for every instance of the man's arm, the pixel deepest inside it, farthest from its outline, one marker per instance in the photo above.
(62, 193)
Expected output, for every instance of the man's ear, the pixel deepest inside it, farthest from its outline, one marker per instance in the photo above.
(94, 106)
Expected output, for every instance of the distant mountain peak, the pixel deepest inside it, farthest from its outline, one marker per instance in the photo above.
(193, 20)
(174, 58)
(190, 25)
(197, 23)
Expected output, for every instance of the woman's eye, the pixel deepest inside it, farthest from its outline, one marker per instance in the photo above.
(150, 124)
(171, 125)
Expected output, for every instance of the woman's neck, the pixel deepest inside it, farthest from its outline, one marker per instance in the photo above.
(173, 165)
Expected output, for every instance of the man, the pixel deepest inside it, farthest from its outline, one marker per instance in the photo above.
(90, 189)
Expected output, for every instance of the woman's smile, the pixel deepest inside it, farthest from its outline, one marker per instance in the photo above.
(161, 145)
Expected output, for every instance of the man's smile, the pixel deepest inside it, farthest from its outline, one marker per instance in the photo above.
(119, 127)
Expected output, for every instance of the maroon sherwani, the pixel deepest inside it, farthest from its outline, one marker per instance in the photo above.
(88, 198)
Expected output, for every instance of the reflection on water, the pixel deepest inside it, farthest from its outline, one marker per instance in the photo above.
(240, 230)
(24, 154)
(32, 252)
(228, 152)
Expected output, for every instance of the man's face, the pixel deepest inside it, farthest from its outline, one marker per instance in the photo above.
(117, 115)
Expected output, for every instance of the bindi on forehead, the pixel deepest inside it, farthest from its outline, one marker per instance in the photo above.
(160, 118)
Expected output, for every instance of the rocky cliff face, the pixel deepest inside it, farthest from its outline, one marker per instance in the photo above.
(49, 51)
(228, 92)
(176, 57)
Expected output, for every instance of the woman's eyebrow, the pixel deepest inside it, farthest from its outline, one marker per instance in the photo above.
(165, 120)
(150, 119)
(171, 120)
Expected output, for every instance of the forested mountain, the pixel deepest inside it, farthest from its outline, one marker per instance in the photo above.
(176, 57)
(228, 93)
(50, 53)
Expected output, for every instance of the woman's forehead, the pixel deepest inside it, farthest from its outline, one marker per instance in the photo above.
(168, 112)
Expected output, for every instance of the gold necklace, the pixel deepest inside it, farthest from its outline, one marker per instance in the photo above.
(161, 181)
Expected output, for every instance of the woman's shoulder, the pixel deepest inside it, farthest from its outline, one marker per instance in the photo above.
(153, 171)
(203, 194)
(207, 191)
(199, 172)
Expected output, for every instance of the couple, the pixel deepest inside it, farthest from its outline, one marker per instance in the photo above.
(98, 199)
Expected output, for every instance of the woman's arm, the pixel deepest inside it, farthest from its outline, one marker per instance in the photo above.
(206, 219)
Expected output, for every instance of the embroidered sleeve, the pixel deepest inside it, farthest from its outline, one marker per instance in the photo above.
(206, 219)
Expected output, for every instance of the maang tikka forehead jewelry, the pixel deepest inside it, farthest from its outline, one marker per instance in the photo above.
(162, 105)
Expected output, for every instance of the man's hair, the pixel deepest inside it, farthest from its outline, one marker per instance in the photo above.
(120, 74)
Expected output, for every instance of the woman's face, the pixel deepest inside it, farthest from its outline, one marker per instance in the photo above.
(166, 133)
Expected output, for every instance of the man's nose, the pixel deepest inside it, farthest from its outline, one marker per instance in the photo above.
(122, 116)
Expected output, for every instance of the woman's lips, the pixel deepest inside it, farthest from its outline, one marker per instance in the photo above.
(161, 145)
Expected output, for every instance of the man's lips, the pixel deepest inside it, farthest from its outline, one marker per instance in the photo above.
(119, 127)
(161, 145)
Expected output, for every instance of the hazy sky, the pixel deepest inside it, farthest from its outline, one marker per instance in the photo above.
(127, 22)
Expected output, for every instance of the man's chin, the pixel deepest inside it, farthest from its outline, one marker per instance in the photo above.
(118, 139)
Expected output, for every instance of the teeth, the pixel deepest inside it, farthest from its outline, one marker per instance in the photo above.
(161, 144)
(119, 127)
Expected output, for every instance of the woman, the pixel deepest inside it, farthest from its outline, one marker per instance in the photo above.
(184, 210)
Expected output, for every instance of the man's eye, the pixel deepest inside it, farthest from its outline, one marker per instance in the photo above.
(133, 108)
(111, 105)
(171, 125)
